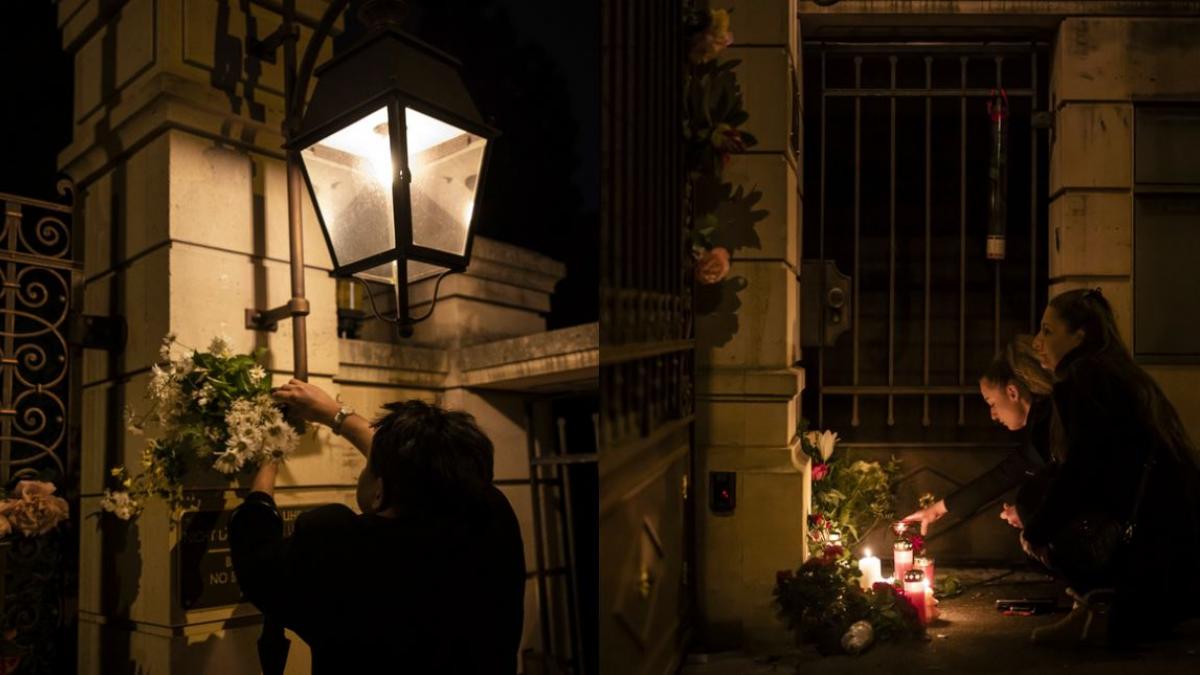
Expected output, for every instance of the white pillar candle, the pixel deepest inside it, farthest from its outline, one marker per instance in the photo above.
(871, 568)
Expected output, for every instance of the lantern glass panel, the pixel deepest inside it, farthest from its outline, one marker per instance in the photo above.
(351, 174)
(386, 273)
(445, 163)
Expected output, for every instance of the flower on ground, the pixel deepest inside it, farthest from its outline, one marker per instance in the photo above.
(820, 471)
(825, 443)
(712, 265)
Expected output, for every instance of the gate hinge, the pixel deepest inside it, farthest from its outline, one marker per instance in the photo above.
(109, 333)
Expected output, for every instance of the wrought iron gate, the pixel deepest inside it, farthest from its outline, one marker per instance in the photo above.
(38, 574)
(896, 186)
(646, 341)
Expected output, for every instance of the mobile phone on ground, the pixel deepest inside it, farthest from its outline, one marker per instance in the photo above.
(1026, 605)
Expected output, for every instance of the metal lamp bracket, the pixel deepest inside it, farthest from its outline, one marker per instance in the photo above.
(268, 320)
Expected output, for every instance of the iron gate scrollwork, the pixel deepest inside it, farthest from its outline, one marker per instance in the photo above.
(37, 278)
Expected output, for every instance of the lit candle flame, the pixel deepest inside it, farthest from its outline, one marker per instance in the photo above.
(866, 553)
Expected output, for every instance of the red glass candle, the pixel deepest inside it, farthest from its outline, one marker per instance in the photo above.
(914, 592)
(925, 564)
(902, 557)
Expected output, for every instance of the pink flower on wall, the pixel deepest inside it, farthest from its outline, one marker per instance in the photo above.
(713, 265)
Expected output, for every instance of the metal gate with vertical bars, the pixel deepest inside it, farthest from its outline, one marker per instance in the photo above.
(896, 198)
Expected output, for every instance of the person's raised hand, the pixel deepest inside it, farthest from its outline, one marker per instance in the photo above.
(307, 402)
(1009, 513)
(930, 514)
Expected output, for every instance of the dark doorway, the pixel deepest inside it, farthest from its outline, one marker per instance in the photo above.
(896, 162)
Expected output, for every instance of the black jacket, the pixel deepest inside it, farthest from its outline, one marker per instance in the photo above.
(1104, 448)
(440, 593)
(1107, 438)
(1032, 454)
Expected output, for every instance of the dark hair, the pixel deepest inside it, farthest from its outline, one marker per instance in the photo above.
(1088, 310)
(428, 456)
(1019, 366)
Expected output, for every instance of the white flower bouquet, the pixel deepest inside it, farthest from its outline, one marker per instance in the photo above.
(213, 409)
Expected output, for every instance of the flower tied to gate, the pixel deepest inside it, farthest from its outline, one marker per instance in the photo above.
(32, 509)
(712, 265)
(713, 37)
(727, 140)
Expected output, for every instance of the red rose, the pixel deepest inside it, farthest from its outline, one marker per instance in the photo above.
(820, 471)
(833, 551)
(918, 543)
(784, 575)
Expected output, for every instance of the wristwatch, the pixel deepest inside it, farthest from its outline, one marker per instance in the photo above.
(340, 417)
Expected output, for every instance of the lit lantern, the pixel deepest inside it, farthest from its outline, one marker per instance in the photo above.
(394, 153)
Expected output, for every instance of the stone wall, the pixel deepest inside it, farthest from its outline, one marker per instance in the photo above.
(748, 390)
(1102, 68)
(177, 160)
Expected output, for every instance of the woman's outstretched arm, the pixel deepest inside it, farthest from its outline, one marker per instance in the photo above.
(310, 403)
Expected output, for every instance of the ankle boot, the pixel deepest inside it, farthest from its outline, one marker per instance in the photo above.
(1086, 624)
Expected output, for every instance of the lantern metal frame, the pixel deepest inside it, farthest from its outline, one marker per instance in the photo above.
(384, 17)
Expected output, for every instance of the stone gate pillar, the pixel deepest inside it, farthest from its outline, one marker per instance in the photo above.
(1104, 70)
(748, 388)
(176, 155)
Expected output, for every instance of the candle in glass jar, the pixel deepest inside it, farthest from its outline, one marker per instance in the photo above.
(902, 557)
(914, 592)
(871, 568)
(925, 564)
(930, 603)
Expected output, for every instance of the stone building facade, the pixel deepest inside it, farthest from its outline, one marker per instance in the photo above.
(1110, 63)
(183, 226)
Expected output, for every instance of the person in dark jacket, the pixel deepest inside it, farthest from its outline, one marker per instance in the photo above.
(1128, 483)
(1017, 391)
(429, 578)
